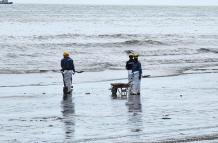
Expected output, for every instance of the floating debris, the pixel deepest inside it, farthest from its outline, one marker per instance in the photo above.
(136, 130)
(166, 117)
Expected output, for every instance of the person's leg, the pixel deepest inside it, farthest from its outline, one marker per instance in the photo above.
(138, 81)
(68, 80)
(139, 87)
(130, 76)
(64, 88)
(63, 79)
(130, 82)
(135, 85)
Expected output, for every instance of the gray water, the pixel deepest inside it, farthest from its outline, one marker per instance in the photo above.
(173, 109)
(172, 39)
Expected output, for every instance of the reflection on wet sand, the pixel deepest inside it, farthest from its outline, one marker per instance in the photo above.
(68, 111)
(135, 121)
(134, 103)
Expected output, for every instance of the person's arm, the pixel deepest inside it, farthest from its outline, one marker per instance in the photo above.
(140, 71)
(62, 68)
(127, 65)
(73, 67)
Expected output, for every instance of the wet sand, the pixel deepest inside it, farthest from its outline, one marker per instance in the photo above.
(173, 109)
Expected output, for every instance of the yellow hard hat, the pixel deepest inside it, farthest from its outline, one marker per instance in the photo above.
(136, 54)
(66, 54)
(131, 54)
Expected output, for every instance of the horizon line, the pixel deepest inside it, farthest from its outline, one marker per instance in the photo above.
(119, 4)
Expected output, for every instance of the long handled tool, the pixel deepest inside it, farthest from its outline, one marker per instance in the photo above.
(145, 76)
(79, 71)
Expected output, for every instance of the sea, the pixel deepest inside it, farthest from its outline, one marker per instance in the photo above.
(170, 39)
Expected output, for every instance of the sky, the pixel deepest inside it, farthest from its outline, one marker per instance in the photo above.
(124, 2)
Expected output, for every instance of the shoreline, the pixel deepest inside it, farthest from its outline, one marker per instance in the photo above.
(87, 77)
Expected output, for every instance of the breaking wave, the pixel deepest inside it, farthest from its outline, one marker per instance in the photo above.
(42, 53)
(18, 71)
(59, 36)
(130, 39)
(72, 35)
(121, 35)
(143, 42)
(112, 36)
(106, 44)
(118, 44)
(207, 50)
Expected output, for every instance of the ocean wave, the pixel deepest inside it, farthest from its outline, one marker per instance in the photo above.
(58, 36)
(18, 71)
(120, 35)
(143, 42)
(74, 35)
(112, 36)
(208, 50)
(125, 39)
(101, 36)
(92, 67)
(133, 42)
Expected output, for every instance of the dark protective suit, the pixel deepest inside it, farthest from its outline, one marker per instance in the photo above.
(137, 73)
(137, 67)
(129, 64)
(68, 69)
(67, 64)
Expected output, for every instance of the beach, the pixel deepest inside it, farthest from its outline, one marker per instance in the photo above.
(177, 47)
(173, 108)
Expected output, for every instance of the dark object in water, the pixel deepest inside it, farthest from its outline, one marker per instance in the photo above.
(88, 93)
(136, 130)
(165, 118)
(119, 89)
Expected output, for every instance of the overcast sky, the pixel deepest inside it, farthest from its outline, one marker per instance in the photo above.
(121, 2)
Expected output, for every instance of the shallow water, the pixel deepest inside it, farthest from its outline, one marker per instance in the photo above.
(172, 109)
(174, 39)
